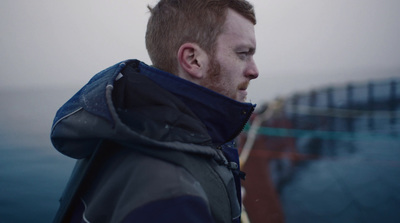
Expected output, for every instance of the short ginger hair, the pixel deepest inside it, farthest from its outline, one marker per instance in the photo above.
(175, 22)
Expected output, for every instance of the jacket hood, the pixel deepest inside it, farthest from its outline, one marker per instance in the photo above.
(91, 116)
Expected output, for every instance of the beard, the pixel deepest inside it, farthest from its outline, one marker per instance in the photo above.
(213, 79)
(216, 81)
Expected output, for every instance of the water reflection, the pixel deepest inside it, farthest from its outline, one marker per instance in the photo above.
(32, 173)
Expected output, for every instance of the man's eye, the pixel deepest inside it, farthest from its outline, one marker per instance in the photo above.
(243, 55)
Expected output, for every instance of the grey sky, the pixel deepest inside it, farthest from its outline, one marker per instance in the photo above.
(301, 44)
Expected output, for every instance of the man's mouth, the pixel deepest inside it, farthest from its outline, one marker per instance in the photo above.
(242, 93)
(243, 86)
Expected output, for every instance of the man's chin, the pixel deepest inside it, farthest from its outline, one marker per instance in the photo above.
(241, 96)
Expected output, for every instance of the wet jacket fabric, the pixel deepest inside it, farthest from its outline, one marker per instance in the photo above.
(162, 147)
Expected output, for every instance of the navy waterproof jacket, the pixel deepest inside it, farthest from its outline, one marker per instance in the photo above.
(130, 113)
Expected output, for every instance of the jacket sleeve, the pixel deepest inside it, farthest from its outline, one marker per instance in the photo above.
(181, 209)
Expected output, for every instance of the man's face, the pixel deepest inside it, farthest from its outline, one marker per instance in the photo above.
(232, 66)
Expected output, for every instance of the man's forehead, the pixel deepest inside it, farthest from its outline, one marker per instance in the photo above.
(233, 17)
(238, 26)
(240, 39)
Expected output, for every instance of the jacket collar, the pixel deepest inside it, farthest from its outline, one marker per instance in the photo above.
(224, 118)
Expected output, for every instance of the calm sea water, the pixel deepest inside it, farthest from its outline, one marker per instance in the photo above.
(32, 173)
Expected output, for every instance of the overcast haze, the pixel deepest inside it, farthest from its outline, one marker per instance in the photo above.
(300, 44)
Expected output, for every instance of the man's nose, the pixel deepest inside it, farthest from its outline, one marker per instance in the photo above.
(252, 70)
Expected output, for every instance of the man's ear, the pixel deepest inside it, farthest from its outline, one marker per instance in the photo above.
(192, 61)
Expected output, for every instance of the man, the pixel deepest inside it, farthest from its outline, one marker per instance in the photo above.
(154, 143)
